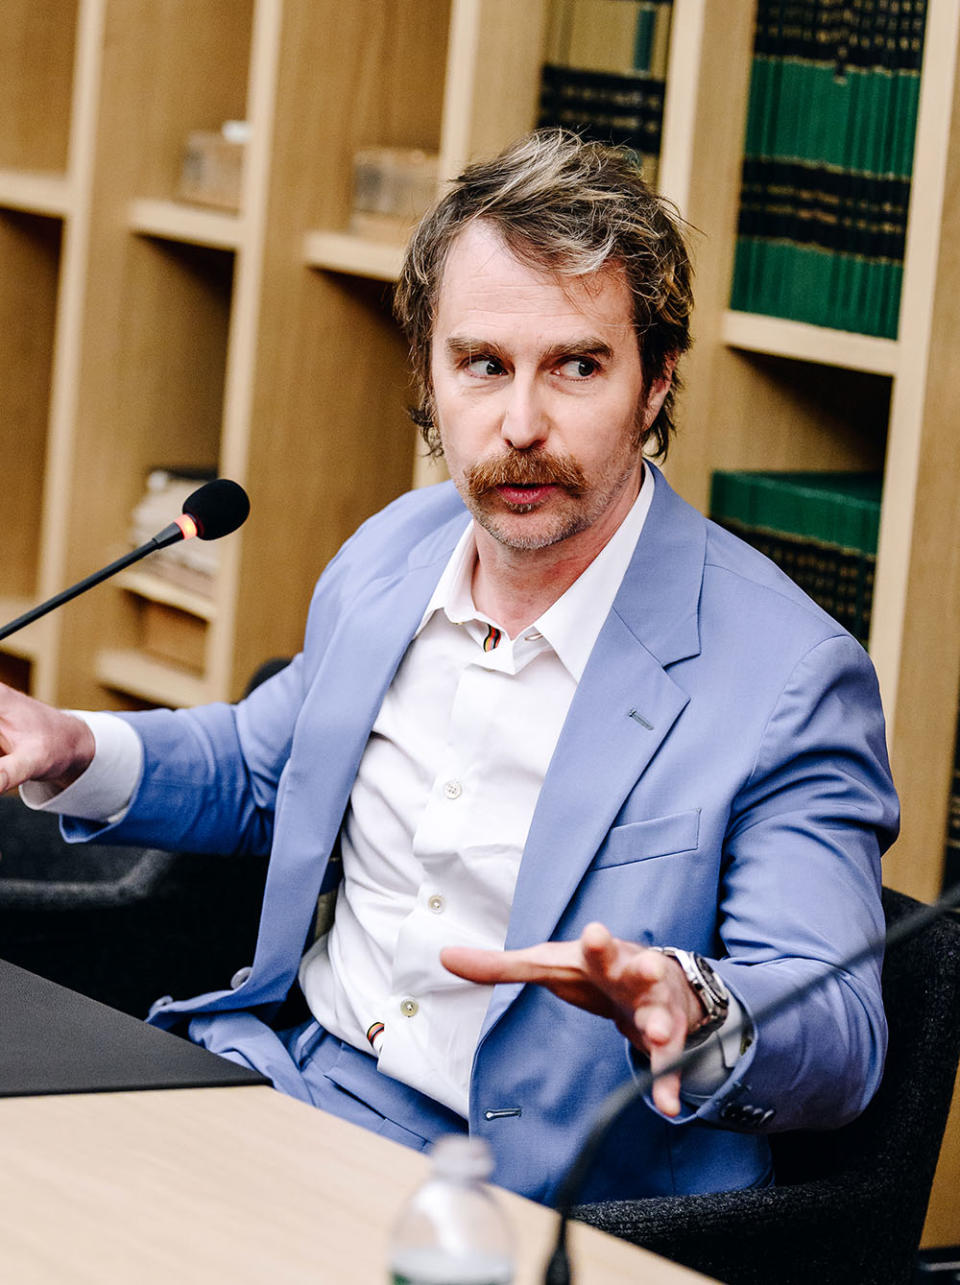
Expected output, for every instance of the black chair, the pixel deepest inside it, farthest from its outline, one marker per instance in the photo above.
(122, 925)
(849, 1204)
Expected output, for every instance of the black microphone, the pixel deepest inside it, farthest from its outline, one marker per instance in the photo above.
(214, 510)
(612, 1107)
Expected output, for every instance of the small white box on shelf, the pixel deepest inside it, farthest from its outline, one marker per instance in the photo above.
(392, 188)
(211, 172)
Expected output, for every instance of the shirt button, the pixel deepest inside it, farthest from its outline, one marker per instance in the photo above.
(409, 1007)
(436, 904)
(452, 790)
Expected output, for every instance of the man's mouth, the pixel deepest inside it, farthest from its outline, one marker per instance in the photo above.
(525, 492)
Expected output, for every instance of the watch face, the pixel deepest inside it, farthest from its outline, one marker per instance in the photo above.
(712, 984)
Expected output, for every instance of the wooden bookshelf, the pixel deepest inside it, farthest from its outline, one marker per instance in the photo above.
(151, 332)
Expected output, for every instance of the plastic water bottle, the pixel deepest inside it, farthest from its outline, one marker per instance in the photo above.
(452, 1231)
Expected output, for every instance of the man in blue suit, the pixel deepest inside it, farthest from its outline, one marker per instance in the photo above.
(592, 780)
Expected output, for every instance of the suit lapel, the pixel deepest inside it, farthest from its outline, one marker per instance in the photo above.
(332, 731)
(624, 707)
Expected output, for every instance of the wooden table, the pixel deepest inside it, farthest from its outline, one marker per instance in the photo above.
(234, 1184)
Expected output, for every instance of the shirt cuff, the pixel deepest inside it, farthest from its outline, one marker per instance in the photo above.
(104, 791)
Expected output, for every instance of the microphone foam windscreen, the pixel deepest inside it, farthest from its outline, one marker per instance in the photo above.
(217, 508)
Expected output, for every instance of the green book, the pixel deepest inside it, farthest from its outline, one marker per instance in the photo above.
(820, 528)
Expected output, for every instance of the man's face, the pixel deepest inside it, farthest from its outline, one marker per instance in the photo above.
(539, 394)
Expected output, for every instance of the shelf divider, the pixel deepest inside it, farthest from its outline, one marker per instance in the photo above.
(36, 192)
(130, 671)
(191, 224)
(358, 256)
(782, 338)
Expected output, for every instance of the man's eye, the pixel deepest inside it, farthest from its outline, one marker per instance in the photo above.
(484, 366)
(578, 367)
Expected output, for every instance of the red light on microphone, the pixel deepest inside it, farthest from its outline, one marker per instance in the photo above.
(187, 525)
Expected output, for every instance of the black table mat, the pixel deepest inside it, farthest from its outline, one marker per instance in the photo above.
(53, 1040)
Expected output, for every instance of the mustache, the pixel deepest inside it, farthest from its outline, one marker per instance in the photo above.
(523, 468)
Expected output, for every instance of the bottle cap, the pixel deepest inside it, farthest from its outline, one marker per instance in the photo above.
(455, 1155)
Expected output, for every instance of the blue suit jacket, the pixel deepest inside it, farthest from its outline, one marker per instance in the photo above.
(721, 784)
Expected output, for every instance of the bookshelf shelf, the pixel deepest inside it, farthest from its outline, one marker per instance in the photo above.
(778, 337)
(26, 643)
(155, 588)
(354, 255)
(35, 192)
(129, 671)
(190, 224)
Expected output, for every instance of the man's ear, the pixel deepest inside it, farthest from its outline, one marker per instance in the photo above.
(658, 391)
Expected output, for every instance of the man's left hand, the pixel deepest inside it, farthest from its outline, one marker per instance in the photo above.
(643, 992)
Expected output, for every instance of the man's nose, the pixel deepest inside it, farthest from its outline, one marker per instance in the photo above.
(525, 421)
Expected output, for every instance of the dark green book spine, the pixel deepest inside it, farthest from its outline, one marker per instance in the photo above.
(827, 158)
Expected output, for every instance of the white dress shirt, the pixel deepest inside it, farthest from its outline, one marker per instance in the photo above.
(439, 815)
(437, 819)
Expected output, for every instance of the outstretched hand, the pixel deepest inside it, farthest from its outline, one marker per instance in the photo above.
(643, 992)
(40, 743)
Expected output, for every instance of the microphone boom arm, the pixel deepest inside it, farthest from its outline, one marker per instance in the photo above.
(169, 535)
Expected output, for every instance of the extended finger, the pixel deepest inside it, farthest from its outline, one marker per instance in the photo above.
(540, 964)
(666, 1032)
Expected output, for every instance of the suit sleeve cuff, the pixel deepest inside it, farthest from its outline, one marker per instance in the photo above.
(716, 1059)
(104, 791)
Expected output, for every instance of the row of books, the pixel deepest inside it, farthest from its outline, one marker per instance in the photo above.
(827, 160)
(820, 528)
(604, 73)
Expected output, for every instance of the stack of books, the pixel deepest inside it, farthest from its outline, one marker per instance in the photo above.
(820, 528)
(827, 161)
(605, 71)
(191, 564)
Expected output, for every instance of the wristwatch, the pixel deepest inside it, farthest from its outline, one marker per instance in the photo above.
(709, 989)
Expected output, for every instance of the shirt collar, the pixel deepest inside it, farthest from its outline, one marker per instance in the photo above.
(572, 624)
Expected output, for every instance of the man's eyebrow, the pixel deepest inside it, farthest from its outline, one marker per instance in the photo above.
(585, 346)
(463, 346)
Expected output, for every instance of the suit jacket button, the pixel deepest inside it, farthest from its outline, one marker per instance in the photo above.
(240, 976)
